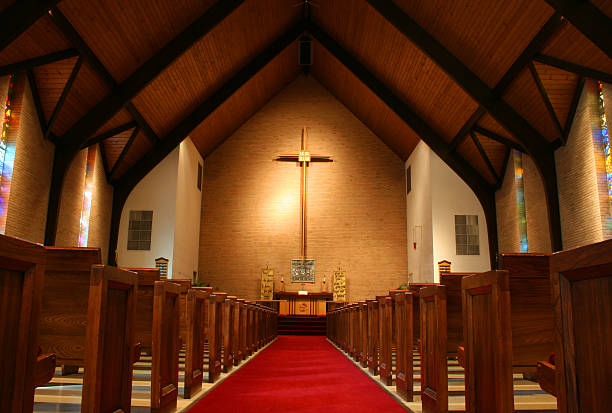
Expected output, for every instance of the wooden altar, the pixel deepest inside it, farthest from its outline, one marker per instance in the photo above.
(293, 303)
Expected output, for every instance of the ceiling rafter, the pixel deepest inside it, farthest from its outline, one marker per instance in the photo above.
(19, 16)
(104, 162)
(110, 133)
(573, 107)
(483, 190)
(485, 157)
(77, 41)
(546, 99)
(147, 72)
(124, 151)
(536, 44)
(574, 68)
(173, 138)
(37, 103)
(64, 95)
(589, 20)
(38, 61)
(537, 146)
(499, 138)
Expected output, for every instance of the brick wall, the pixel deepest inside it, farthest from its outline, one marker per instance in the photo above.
(536, 210)
(28, 201)
(507, 212)
(101, 208)
(578, 178)
(356, 206)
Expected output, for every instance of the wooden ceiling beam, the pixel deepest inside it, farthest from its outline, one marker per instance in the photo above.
(574, 68)
(172, 139)
(485, 157)
(146, 73)
(64, 95)
(38, 61)
(499, 138)
(85, 51)
(551, 26)
(110, 133)
(589, 20)
(482, 189)
(546, 99)
(42, 120)
(124, 151)
(19, 16)
(573, 107)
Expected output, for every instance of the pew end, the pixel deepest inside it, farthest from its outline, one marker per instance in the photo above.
(546, 377)
(45, 368)
(136, 353)
(461, 356)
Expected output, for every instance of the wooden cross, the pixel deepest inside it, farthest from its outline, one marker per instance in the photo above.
(303, 158)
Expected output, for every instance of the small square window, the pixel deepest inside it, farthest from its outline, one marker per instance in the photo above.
(467, 235)
(139, 230)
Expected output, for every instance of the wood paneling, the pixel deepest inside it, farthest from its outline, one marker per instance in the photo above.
(125, 33)
(468, 150)
(212, 61)
(573, 46)
(488, 122)
(140, 146)
(121, 118)
(560, 87)
(486, 36)
(43, 37)
(364, 103)
(246, 101)
(523, 95)
(87, 90)
(50, 81)
(495, 151)
(113, 146)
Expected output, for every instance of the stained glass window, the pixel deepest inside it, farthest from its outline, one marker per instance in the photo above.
(87, 196)
(605, 141)
(7, 155)
(520, 200)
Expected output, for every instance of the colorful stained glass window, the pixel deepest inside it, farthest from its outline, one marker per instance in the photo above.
(520, 200)
(7, 155)
(605, 138)
(87, 196)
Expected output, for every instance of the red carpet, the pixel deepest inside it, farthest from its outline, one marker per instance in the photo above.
(298, 374)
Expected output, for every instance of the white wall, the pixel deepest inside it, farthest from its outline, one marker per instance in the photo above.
(419, 216)
(155, 192)
(437, 195)
(451, 196)
(187, 220)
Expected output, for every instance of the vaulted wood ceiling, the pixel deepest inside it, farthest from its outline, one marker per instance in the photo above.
(472, 78)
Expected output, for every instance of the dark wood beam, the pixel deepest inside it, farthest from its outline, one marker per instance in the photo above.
(124, 151)
(573, 107)
(551, 26)
(506, 159)
(37, 104)
(61, 162)
(499, 138)
(482, 189)
(147, 72)
(485, 157)
(574, 68)
(20, 15)
(587, 18)
(104, 161)
(538, 147)
(110, 133)
(64, 95)
(77, 41)
(172, 139)
(546, 99)
(38, 61)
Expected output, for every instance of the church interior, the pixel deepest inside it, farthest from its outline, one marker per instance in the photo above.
(304, 206)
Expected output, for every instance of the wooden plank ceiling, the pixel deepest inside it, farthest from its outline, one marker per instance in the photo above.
(520, 50)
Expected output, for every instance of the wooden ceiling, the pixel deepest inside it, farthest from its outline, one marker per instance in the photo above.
(472, 78)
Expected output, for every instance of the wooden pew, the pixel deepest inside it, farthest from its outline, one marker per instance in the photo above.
(488, 343)
(45, 369)
(144, 306)
(582, 302)
(22, 272)
(531, 309)
(215, 339)
(107, 382)
(165, 357)
(63, 321)
(385, 306)
(434, 369)
(546, 374)
(402, 301)
(363, 336)
(185, 286)
(236, 353)
(250, 332)
(243, 328)
(454, 318)
(373, 334)
(196, 314)
(414, 288)
(228, 334)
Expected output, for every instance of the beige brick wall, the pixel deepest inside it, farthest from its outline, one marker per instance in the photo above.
(29, 196)
(101, 207)
(507, 212)
(578, 179)
(356, 206)
(538, 229)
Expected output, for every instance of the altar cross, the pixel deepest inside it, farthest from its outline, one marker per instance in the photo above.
(304, 157)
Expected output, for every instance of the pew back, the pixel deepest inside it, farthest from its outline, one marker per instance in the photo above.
(22, 274)
(144, 305)
(196, 313)
(582, 300)
(402, 301)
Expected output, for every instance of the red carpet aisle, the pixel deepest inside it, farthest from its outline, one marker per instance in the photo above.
(298, 374)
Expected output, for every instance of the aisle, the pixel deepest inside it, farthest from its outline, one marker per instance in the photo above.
(298, 374)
